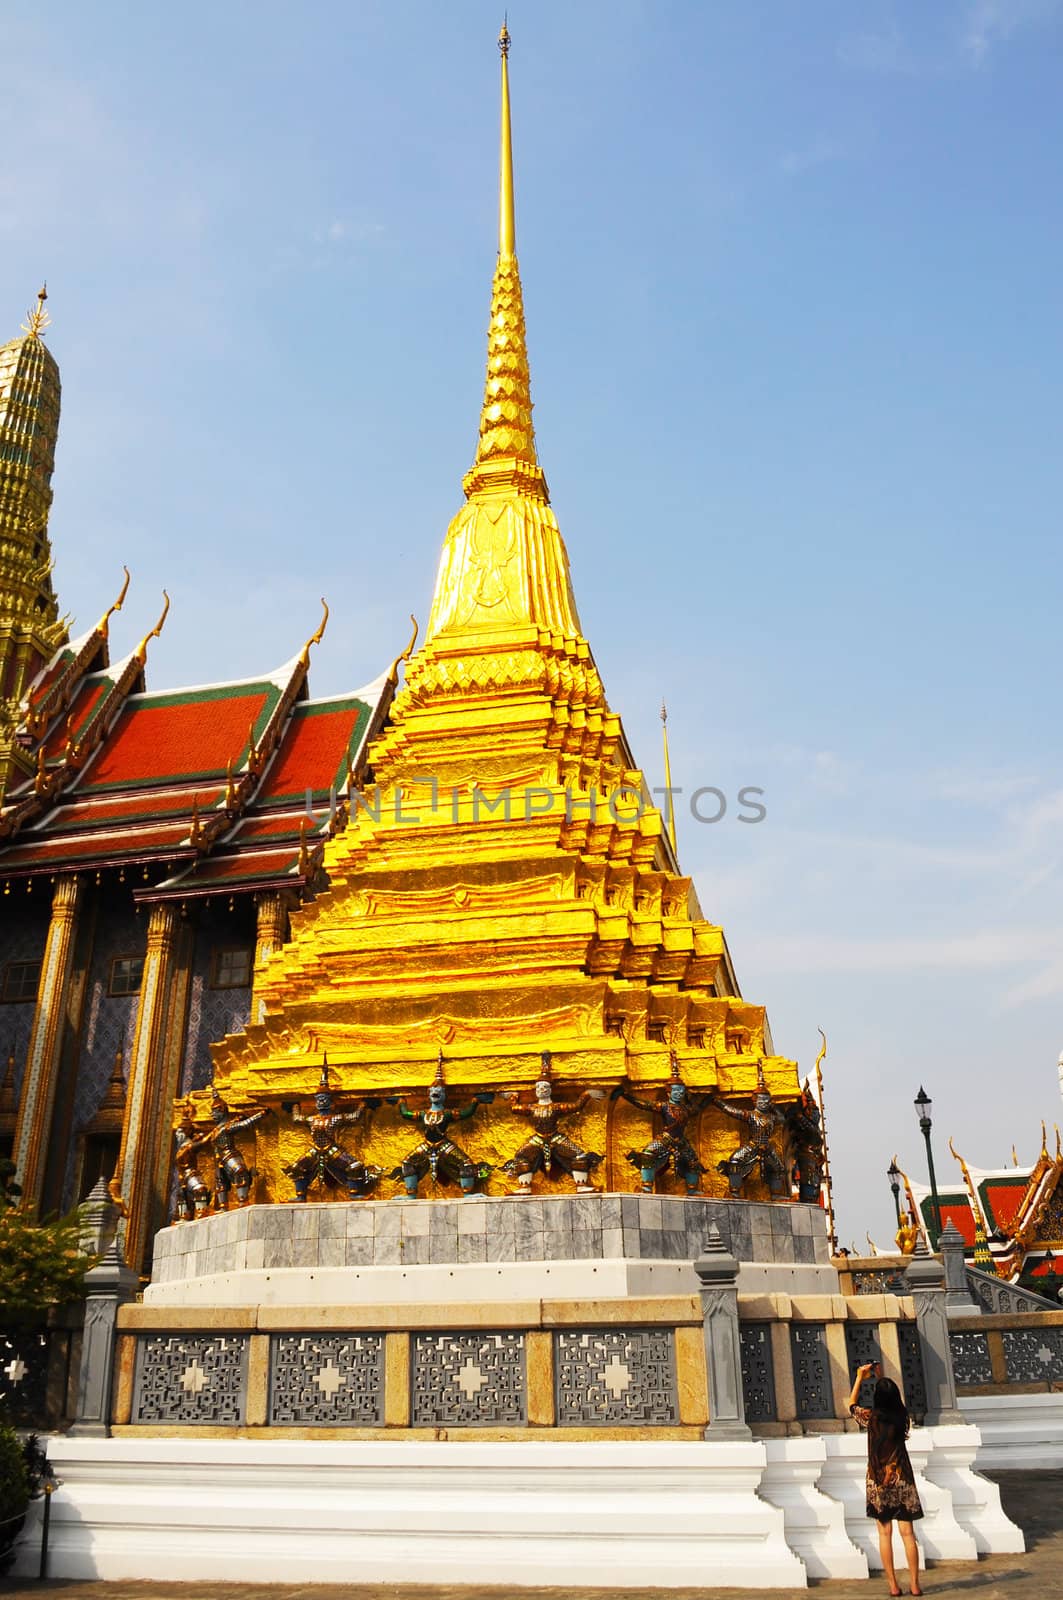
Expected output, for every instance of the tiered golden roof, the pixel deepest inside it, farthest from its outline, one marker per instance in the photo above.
(30, 626)
(505, 887)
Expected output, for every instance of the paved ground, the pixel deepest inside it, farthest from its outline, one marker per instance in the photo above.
(1032, 1499)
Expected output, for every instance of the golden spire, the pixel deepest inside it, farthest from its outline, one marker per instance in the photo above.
(668, 777)
(506, 432)
(504, 563)
(38, 319)
(507, 226)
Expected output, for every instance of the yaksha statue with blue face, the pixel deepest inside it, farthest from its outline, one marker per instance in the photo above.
(437, 1153)
(671, 1148)
(193, 1196)
(327, 1162)
(764, 1121)
(547, 1146)
(231, 1171)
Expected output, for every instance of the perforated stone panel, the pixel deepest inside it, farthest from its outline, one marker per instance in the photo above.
(467, 1379)
(758, 1371)
(326, 1380)
(913, 1379)
(1033, 1355)
(615, 1375)
(808, 1350)
(191, 1378)
(861, 1345)
(970, 1358)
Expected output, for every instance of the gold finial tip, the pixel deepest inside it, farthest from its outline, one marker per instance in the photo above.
(37, 319)
(503, 37)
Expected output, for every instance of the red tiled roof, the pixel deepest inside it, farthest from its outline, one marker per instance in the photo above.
(87, 701)
(103, 812)
(247, 866)
(278, 825)
(92, 847)
(184, 736)
(1003, 1200)
(314, 750)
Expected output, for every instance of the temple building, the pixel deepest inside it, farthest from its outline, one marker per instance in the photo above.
(152, 844)
(1010, 1217)
(459, 886)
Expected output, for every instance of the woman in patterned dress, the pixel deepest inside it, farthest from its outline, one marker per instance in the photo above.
(891, 1492)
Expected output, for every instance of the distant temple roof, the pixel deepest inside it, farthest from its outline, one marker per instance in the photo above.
(222, 786)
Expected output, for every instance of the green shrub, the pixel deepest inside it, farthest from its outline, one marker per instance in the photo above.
(14, 1489)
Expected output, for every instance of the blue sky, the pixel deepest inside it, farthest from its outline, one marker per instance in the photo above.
(792, 284)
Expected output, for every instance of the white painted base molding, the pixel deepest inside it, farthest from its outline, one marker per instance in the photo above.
(526, 1513)
(975, 1501)
(617, 1514)
(1018, 1430)
(815, 1524)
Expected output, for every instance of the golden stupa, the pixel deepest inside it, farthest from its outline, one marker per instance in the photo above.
(502, 886)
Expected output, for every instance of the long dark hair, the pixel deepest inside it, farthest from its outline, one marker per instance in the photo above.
(889, 1405)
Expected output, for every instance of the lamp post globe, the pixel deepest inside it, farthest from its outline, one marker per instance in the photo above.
(923, 1106)
(893, 1173)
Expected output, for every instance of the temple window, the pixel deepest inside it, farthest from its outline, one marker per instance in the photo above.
(20, 981)
(231, 969)
(126, 973)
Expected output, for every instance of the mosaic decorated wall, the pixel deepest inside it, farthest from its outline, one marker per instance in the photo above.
(23, 930)
(108, 1019)
(214, 1011)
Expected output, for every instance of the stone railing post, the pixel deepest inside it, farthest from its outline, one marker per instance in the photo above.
(108, 1286)
(925, 1282)
(959, 1301)
(717, 1271)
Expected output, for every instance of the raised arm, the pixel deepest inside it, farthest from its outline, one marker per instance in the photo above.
(478, 1100)
(292, 1107)
(862, 1374)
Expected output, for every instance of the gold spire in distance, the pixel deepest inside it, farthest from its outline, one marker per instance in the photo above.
(38, 318)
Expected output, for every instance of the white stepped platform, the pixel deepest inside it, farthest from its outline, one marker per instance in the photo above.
(815, 1524)
(940, 1535)
(1019, 1431)
(975, 1501)
(615, 1514)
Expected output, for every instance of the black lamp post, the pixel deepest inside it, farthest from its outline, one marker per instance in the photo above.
(922, 1106)
(893, 1173)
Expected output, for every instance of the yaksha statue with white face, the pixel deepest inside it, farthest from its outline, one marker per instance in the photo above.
(764, 1121)
(547, 1146)
(437, 1153)
(327, 1162)
(671, 1148)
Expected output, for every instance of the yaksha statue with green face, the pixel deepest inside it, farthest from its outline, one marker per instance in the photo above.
(764, 1121)
(671, 1148)
(547, 1146)
(327, 1162)
(437, 1153)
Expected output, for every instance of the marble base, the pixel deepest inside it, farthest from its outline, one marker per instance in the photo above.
(617, 1515)
(360, 1251)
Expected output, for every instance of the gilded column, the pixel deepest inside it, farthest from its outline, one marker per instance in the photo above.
(138, 1161)
(270, 933)
(33, 1129)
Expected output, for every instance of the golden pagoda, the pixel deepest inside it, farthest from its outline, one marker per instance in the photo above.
(503, 886)
(30, 626)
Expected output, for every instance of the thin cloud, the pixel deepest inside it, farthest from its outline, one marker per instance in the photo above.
(806, 158)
